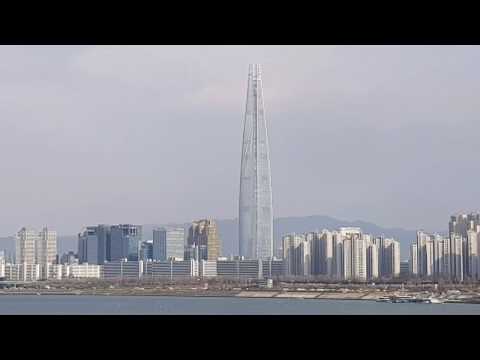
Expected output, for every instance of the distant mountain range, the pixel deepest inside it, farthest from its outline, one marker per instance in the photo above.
(228, 230)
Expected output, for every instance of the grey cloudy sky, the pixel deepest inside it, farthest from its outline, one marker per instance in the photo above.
(152, 134)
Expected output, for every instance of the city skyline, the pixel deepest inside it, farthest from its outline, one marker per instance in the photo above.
(75, 115)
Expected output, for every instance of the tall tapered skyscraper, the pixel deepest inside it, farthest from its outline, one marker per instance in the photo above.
(255, 208)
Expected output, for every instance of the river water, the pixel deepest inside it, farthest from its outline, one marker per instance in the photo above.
(169, 305)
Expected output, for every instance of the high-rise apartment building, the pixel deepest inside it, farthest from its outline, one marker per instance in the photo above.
(25, 244)
(297, 254)
(169, 243)
(372, 261)
(203, 236)
(413, 260)
(471, 250)
(33, 247)
(47, 247)
(461, 223)
(255, 204)
(391, 260)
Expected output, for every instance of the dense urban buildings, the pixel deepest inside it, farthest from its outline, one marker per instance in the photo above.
(94, 244)
(168, 243)
(345, 254)
(453, 257)
(100, 243)
(125, 242)
(255, 204)
(203, 241)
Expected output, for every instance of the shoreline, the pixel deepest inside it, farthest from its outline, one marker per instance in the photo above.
(236, 294)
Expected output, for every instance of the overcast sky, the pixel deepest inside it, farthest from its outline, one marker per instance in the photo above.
(152, 134)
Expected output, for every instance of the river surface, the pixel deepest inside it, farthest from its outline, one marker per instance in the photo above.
(169, 305)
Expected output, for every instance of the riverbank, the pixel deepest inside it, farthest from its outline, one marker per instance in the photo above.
(247, 294)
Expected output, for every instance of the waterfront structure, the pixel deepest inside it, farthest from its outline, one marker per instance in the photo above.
(207, 268)
(125, 240)
(344, 254)
(168, 243)
(171, 269)
(22, 272)
(255, 201)
(123, 270)
(240, 269)
(454, 257)
(84, 270)
(50, 271)
(273, 268)
(203, 240)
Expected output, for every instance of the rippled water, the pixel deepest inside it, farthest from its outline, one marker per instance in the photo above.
(26, 304)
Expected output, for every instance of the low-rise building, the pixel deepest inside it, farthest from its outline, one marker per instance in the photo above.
(22, 272)
(240, 269)
(84, 270)
(172, 269)
(123, 270)
(207, 268)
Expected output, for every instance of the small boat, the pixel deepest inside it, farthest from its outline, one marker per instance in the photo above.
(384, 299)
(434, 300)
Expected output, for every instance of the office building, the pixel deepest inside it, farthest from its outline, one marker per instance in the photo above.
(125, 240)
(94, 244)
(203, 234)
(169, 243)
(68, 258)
(146, 251)
(255, 201)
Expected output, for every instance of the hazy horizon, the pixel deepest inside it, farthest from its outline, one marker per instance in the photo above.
(152, 134)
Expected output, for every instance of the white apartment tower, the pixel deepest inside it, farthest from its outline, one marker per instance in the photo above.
(34, 247)
(46, 247)
(372, 261)
(413, 260)
(25, 244)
